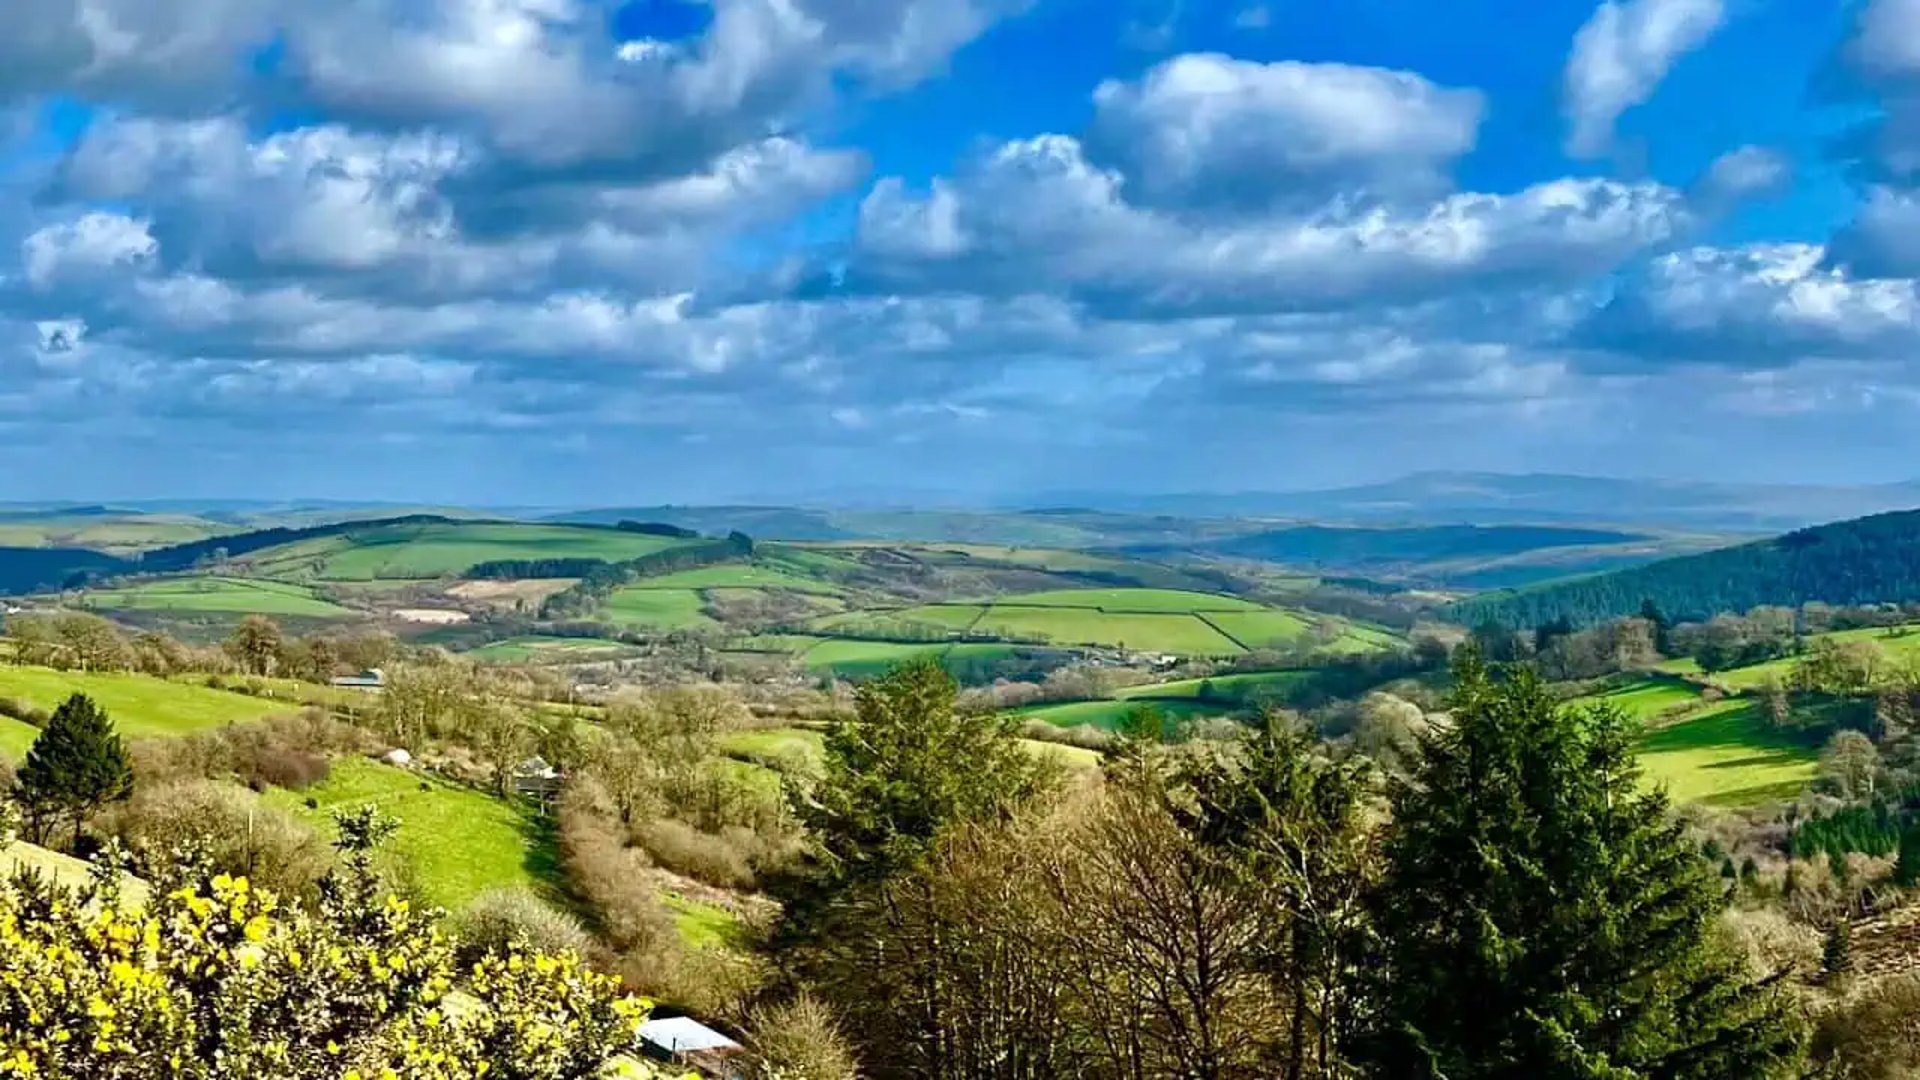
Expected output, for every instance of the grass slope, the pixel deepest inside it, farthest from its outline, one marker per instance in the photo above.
(420, 551)
(743, 576)
(1108, 714)
(661, 609)
(1722, 753)
(1185, 634)
(139, 704)
(1160, 601)
(457, 842)
(549, 650)
(1727, 755)
(216, 594)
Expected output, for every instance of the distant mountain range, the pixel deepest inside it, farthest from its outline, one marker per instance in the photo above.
(1538, 498)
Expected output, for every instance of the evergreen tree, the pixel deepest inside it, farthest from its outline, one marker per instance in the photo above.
(1541, 915)
(1836, 953)
(1906, 872)
(75, 766)
(1662, 626)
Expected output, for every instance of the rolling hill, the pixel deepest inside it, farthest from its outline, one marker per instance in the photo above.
(1863, 561)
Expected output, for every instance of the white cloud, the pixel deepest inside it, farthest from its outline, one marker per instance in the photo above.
(83, 251)
(1745, 173)
(1765, 305)
(1212, 130)
(1887, 41)
(1037, 216)
(1622, 53)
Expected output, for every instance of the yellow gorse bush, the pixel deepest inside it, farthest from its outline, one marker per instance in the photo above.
(219, 980)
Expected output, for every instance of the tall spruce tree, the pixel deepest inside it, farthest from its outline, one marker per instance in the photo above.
(76, 765)
(1543, 917)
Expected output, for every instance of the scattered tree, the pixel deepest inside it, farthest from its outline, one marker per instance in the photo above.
(76, 765)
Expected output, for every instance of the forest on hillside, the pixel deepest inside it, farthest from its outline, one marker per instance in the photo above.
(1864, 561)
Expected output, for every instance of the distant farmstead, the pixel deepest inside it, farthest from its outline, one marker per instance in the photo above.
(536, 779)
(371, 679)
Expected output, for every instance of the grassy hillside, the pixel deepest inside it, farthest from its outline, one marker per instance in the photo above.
(1719, 752)
(223, 595)
(456, 842)
(432, 549)
(140, 705)
(1863, 561)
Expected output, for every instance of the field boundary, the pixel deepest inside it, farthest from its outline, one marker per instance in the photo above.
(1222, 631)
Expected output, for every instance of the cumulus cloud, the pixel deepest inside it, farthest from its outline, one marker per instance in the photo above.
(1747, 172)
(1210, 130)
(1766, 305)
(169, 55)
(1036, 215)
(1620, 56)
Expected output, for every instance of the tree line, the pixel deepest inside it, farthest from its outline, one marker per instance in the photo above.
(1513, 905)
(1867, 560)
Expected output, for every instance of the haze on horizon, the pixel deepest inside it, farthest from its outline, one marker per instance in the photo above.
(574, 252)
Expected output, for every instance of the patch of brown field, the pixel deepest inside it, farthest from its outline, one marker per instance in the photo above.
(505, 594)
(1887, 944)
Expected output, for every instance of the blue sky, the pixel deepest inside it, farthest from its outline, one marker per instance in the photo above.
(568, 251)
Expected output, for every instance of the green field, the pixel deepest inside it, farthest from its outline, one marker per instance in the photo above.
(749, 576)
(953, 618)
(16, 738)
(1108, 714)
(139, 704)
(1258, 629)
(865, 659)
(1235, 685)
(1647, 700)
(660, 609)
(1723, 753)
(457, 842)
(548, 650)
(1170, 633)
(1727, 755)
(434, 550)
(217, 594)
(1161, 601)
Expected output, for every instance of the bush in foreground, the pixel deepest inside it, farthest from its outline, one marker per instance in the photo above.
(216, 979)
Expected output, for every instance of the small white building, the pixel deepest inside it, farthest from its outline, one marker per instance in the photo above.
(682, 1040)
(372, 679)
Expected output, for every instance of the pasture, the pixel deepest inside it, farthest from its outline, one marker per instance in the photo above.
(500, 845)
(659, 609)
(1234, 686)
(740, 576)
(424, 551)
(1727, 755)
(1108, 714)
(1185, 634)
(1154, 601)
(1647, 699)
(221, 595)
(140, 705)
(16, 738)
(535, 649)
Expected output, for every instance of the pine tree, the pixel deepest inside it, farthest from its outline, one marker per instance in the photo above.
(75, 766)
(1836, 953)
(1542, 916)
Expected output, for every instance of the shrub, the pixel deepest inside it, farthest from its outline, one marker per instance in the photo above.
(24, 711)
(703, 856)
(232, 829)
(798, 1040)
(501, 918)
(217, 978)
(287, 768)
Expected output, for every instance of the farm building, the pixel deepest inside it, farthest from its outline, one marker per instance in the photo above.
(373, 679)
(682, 1040)
(536, 779)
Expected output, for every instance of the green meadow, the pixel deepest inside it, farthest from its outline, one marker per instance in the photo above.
(499, 845)
(238, 596)
(1727, 755)
(1108, 714)
(422, 551)
(140, 705)
(660, 609)
(535, 649)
